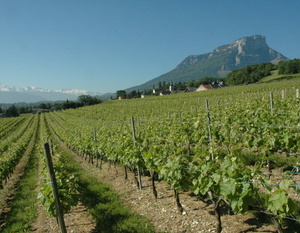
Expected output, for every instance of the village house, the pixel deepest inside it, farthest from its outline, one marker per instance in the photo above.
(204, 87)
(216, 85)
(145, 94)
(165, 92)
(162, 92)
(190, 89)
(213, 85)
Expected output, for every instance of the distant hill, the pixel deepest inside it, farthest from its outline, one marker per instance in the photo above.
(245, 51)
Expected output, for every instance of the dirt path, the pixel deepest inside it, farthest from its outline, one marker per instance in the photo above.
(77, 221)
(163, 212)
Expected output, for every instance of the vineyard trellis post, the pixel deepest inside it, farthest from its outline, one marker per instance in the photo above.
(271, 102)
(209, 121)
(134, 142)
(51, 147)
(209, 125)
(59, 211)
(95, 134)
(282, 94)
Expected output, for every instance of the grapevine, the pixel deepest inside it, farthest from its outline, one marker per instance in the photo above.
(174, 141)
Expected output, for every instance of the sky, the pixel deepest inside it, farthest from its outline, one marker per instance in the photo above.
(109, 45)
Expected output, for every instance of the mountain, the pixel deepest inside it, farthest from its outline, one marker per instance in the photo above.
(30, 94)
(245, 51)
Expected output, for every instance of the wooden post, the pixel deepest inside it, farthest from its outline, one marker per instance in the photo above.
(95, 134)
(209, 126)
(271, 103)
(134, 143)
(282, 94)
(59, 212)
(297, 93)
(133, 130)
(51, 147)
(209, 121)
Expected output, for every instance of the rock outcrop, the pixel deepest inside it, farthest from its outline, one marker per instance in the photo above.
(240, 53)
(250, 50)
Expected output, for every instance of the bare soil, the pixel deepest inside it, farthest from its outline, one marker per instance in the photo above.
(198, 216)
(77, 221)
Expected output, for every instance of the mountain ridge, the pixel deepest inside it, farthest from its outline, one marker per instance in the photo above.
(249, 50)
(29, 94)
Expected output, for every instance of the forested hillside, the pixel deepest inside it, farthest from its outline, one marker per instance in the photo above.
(289, 67)
(253, 74)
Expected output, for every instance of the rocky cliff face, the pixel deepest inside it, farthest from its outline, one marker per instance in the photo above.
(240, 53)
(245, 51)
(253, 49)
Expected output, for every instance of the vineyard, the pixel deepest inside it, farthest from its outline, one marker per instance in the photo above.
(231, 153)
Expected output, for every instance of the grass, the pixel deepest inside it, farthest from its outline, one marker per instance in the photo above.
(274, 77)
(23, 210)
(24, 203)
(284, 162)
(109, 212)
(278, 160)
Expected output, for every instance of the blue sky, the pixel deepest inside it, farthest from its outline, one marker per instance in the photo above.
(109, 45)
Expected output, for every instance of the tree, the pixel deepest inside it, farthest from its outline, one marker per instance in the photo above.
(121, 93)
(42, 106)
(249, 74)
(180, 86)
(12, 112)
(69, 104)
(23, 109)
(289, 67)
(132, 94)
(160, 85)
(85, 100)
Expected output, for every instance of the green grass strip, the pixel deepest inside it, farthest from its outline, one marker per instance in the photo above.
(23, 210)
(105, 205)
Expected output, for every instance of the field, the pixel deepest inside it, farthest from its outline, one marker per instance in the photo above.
(224, 160)
(276, 77)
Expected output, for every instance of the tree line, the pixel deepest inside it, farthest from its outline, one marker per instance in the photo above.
(250, 74)
(10, 112)
(17, 109)
(247, 75)
(289, 67)
(162, 85)
(254, 73)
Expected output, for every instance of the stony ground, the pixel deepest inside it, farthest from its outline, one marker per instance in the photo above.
(163, 213)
